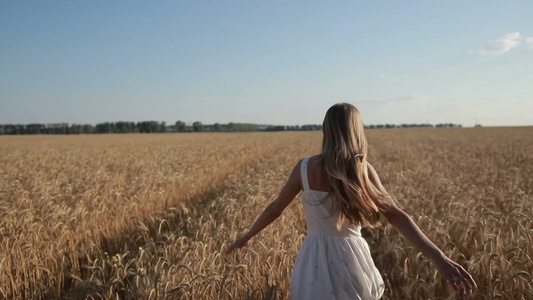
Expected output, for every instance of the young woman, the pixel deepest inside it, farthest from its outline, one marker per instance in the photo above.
(341, 192)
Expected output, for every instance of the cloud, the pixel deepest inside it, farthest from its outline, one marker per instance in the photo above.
(529, 42)
(501, 45)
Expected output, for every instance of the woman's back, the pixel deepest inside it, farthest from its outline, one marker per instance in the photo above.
(317, 202)
(332, 263)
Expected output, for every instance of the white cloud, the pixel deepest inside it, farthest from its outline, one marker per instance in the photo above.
(529, 42)
(501, 45)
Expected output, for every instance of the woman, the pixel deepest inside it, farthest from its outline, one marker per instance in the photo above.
(341, 192)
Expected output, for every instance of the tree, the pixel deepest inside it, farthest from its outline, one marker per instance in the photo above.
(103, 128)
(180, 126)
(87, 128)
(35, 129)
(217, 127)
(74, 129)
(198, 127)
(122, 127)
(149, 126)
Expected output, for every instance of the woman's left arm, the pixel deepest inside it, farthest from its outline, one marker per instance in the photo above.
(273, 210)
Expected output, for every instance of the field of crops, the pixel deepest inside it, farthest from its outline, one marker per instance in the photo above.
(149, 216)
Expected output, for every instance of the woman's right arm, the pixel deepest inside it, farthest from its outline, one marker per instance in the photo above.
(460, 279)
(273, 210)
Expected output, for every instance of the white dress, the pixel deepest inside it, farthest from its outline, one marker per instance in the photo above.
(332, 263)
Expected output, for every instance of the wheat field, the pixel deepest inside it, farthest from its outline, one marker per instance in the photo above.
(149, 216)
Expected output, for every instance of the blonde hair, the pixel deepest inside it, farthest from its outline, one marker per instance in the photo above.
(344, 154)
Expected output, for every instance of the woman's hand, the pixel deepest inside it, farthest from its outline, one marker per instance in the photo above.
(237, 245)
(456, 275)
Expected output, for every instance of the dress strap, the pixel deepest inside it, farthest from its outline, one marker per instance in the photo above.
(303, 173)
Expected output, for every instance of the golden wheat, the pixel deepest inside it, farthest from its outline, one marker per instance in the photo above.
(149, 216)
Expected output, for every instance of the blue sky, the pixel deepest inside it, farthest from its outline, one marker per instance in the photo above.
(268, 62)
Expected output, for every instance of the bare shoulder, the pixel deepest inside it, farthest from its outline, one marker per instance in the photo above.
(295, 174)
(316, 174)
(315, 159)
(373, 176)
(314, 163)
(371, 170)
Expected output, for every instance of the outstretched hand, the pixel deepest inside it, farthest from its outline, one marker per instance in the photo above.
(456, 275)
(237, 245)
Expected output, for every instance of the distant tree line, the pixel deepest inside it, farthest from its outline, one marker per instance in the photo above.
(65, 128)
(57, 128)
(179, 126)
(413, 126)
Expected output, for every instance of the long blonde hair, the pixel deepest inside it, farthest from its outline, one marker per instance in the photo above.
(344, 154)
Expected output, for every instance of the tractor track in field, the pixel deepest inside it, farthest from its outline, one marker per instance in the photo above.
(180, 222)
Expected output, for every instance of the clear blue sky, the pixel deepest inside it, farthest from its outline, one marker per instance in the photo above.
(267, 62)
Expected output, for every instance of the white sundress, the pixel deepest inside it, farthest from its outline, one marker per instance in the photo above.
(332, 264)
